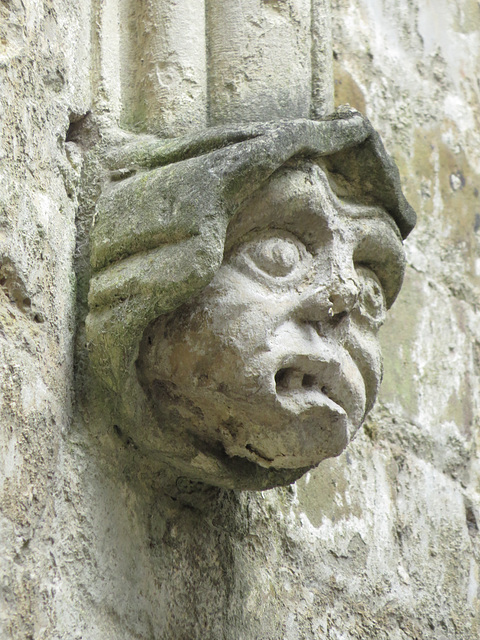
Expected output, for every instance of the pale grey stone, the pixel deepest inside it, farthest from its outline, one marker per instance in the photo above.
(242, 408)
(380, 542)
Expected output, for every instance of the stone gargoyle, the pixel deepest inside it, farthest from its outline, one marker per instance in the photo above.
(239, 279)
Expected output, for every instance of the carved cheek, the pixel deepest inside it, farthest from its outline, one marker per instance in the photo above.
(372, 306)
(239, 303)
(364, 348)
(222, 338)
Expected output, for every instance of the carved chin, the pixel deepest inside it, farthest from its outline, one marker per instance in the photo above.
(308, 416)
(308, 428)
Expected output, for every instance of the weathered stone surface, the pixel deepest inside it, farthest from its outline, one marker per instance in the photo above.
(44, 63)
(253, 421)
(378, 543)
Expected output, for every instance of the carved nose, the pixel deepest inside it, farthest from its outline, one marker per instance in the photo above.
(314, 307)
(334, 301)
(343, 297)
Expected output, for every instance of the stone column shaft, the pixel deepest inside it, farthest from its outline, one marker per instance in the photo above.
(164, 80)
(259, 61)
(188, 64)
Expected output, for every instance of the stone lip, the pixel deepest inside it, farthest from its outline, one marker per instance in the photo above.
(305, 379)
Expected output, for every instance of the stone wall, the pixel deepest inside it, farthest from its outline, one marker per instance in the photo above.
(44, 83)
(381, 542)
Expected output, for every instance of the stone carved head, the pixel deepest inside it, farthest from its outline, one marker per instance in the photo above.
(241, 277)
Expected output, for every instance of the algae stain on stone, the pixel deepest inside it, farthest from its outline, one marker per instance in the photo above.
(458, 186)
(397, 338)
(467, 19)
(322, 493)
(459, 409)
(347, 91)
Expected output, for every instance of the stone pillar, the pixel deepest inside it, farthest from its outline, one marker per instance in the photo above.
(259, 60)
(322, 59)
(163, 56)
(106, 50)
(266, 59)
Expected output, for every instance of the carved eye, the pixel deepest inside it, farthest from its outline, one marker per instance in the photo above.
(372, 302)
(278, 256)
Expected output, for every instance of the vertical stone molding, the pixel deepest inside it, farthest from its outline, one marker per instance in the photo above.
(106, 52)
(266, 59)
(259, 60)
(322, 59)
(163, 60)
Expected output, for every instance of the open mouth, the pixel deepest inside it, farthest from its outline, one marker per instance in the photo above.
(317, 382)
(290, 379)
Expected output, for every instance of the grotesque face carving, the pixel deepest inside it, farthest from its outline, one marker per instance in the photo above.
(248, 371)
(277, 361)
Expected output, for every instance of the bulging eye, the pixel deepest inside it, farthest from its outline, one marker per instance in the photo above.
(372, 302)
(277, 254)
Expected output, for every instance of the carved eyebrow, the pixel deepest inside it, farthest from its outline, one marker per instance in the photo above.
(352, 205)
(302, 223)
(304, 209)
